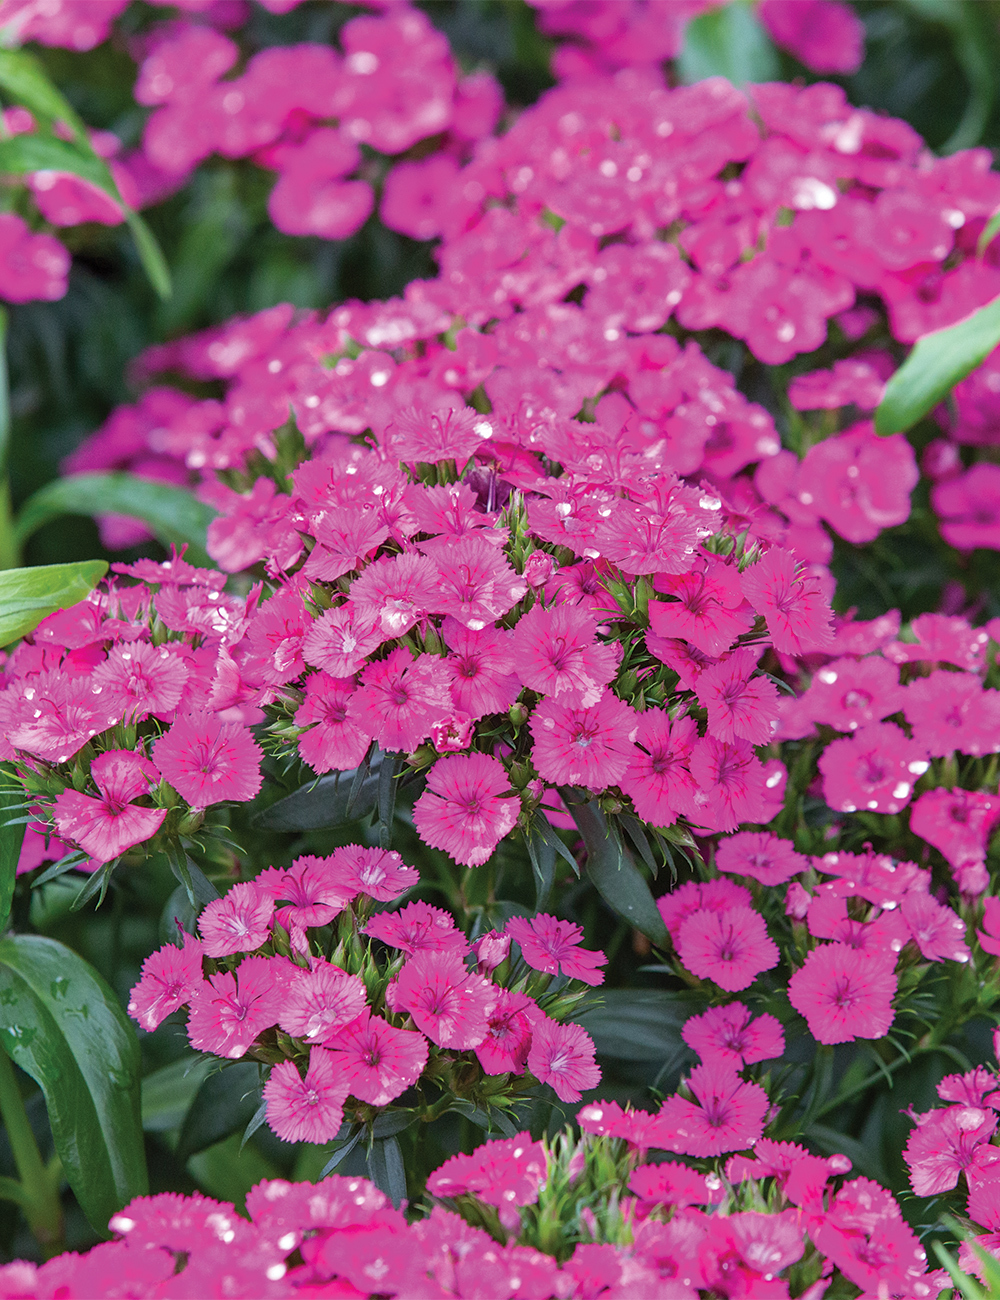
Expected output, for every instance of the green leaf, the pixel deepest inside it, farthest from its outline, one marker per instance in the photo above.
(11, 838)
(989, 234)
(614, 874)
(25, 81)
(385, 1168)
(150, 255)
(388, 784)
(728, 42)
(967, 1286)
(224, 1104)
(341, 1152)
(639, 1024)
(489, 1120)
(29, 595)
(62, 1024)
(172, 513)
(935, 365)
(323, 804)
(168, 1092)
(22, 154)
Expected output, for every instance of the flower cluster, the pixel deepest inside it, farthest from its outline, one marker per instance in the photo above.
(392, 1008)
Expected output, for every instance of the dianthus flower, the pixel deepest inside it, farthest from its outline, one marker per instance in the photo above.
(106, 826)
(481, 669)
(859, 482)
(395, 593)
(508, 1034)
(238, 922)
(731, 948)
(671, 1183)
(439, 435)
(657, 778)
(208, 761)
(740, 706)
(321, 1000)
(761, 856)
(379, 873)
(707, 609)
(989, 935)
(169, 978)
(563, 1056)
(875, 769)
(693, 896)
(505, 1173)
(462, 811)
(309, 1109)
(589, 746)
(418, 927)
(850, 693)
(844, 994)
(943, 1144)
(729, 1117)
(332, 741)
(797, 615)
(48, 716)
(548, 944)
(340, 641)
(950, 711)
(312, 890)
(475, 583)
(556, 653)
(399, 699)
(142, 679)
(448, 1003)
(229, 1011)
(934, 928)
(729, 1034)
(731, 784)
(379, 1061)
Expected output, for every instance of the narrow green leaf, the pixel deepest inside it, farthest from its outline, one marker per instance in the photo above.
(26, 81)
(29, 595)
(341, 1152)
(990, 231)
(634, 829)
(614, 874)
(937, 362)
(62, 1024)
(225, 1103)
(385, 1168)
(391, 1122)
(259, 1116)
(22, 154)
(387, 787)
(323, 804)
(969, 1287)
(728, 42)
(488, 1120)
(639, 1024)
(169, 1091)
(11, 838)
(172, 513)
(150, 255)
(97, 884)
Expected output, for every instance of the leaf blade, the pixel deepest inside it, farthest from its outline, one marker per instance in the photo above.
(11, 839)
(29, 595)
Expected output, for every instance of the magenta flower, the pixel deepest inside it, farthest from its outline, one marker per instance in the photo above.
(209, 761)
(462, 811)
(321, 1000)
(476, 584)
(378, 873)
(934, 928)
(169, 978)
(553, 946)
(943, 1144)
(340, 641)
(395, 593)
(729, 1115)
(449, 434)
(448, 1003)
(730, 1035)
(141, 679)
(505, 1173)
(874, 770)
(761, 856)
(694, 896)
(481, 669)
(50, 717)
(309, 1109)
(105, 827)
(657, 778)
(229, 1011)
(379, 1061)
(797, 615)
(731, 948)
(740, 706)
(949, 711)
(850, 693)
(508, 1035)
(238, 922)
(563, 1057)
(556, 653)
(731, 784)
(418, 927)
(333, 741)
(844, 994)
(400, 698)
(345, 539)
(708, 609)
(313, 890)
(583, 746)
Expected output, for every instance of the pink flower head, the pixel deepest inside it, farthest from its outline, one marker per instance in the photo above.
(797, 614)
(505, 1048)
(238, 922)
(340, 640)
(730, 947)
(105, 827)
(729, 1115)
(395, 593)
(475, 583)
(209, 761)
(729, 1034)
(934, 928)
(707, 609)
(949, 711)
(309, 1109)
(229, 1011)
(142, 679)
(850, 693)
(505, 1173)
(657, 779)
(740, 706)
(378, 1060)
(563, 1056)
(761, 856)
(50, 717)
(463, 810)
(378, 873)
(859, 482)
(944, 1144)
(825, 35)
(448, 1003)
(844, 994)
(313, 890)
(492, 950)
(968, 508)
(320, 1001)
(553, 946)
(693, 896)
(169, 977)
(480, 668)
(399, 699)
(418, 927)
(431, 436)
(731, 784)
(874, 770)
(556, 653)
(589, 746)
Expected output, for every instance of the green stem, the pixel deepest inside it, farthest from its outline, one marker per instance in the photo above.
(40, 1197)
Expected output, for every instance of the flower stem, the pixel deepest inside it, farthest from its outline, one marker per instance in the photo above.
(39, 1194)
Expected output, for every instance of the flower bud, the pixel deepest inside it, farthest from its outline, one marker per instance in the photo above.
(491, 950)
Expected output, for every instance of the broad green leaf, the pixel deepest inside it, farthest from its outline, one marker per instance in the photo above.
(323, 803)
(172, 513)
(22, 154)
(935, 365)
(26, 81)
(639, 1024)
(385, 1169)
(11, 838)
(224, 1104)
(168, 1092)
(228, 1173)
(614, 874)
(62, 1024)
(728, 42)
(29, 595)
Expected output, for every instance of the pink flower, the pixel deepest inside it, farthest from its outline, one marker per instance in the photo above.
(340, 640)
(334, 741)
(740, 706)
(505, 1173)
(934, 928)
(563, 1056)
(379, 1061)
(950, 711)
(588, 746)
(447, 1002)
(418, 927)
(313, 888)
(729, 1034)
(694, 896)
(169, 978)
(844, 994)
(850, 693)
(399, 699)
(550, 945)
(761, 856)
(49, 717)
(729, 1115)
(797, 614)
(944, 1144)
(475, 583)
(105, 827)
(378, 873)
(209, 761)
(229, 1011)
(657, 779)
(875, 769)
(825, 35)
(395, 593)
(321, 1000)
(309, 1109)
(142, 679)
(414, 196)
(480, 668)
(968, 508)
(431, 436)
(859, 482)
(462, 811)
(238, 922)
(730, 784)
(556, 653)
(505, 1048)
(730, 947)
(707, 610)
